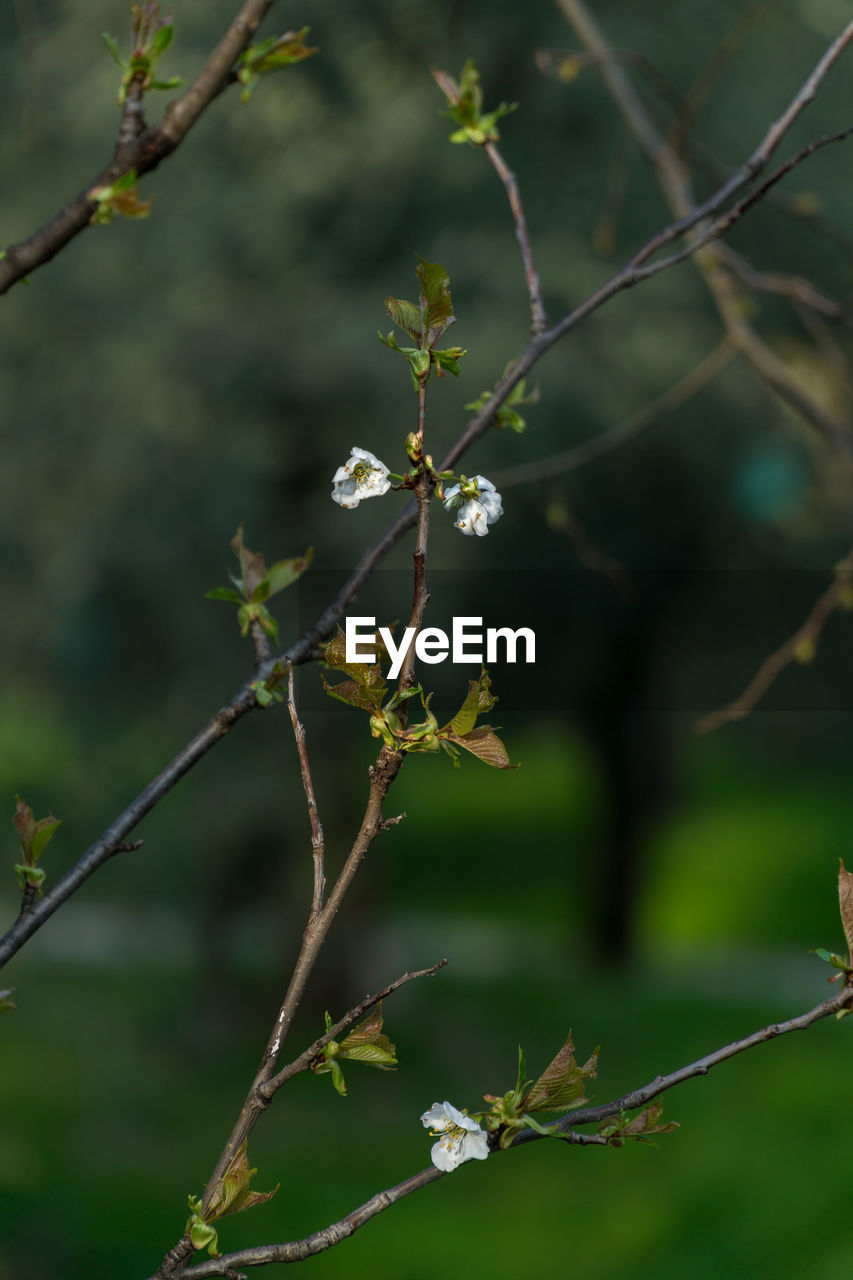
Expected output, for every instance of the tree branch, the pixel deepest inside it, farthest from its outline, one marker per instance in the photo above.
(674, 181)
(328, 1237)
(141, 151)
(538, 318)
(799, 648)
(305, 647)
(318, 843)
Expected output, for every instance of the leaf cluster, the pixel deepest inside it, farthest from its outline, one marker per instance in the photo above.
(465, 107)
(507, 414)
(559, 1088)
(256, 584)
(151, 36)
(122, 198)
(231, 1194)
(34, 837)
(365, 689)
(272, 54)
(647, 1122)
(425, 323)
(366, 1043)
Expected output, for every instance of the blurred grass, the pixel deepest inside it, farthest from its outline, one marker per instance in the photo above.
(132, 1072)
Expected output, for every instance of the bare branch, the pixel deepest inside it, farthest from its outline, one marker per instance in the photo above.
(799, 648)
(141, 151)
(675, 184)
(796, 289)
(318, 843)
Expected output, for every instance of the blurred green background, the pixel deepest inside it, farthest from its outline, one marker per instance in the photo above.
(654, 890)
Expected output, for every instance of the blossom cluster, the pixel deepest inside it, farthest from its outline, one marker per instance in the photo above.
(475, 502)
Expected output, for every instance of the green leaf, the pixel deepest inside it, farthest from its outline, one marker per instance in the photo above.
(126, 182)
(354, 695)
(562, 1083)
(405, 315)
(420, 362)
(112, 45)
(368, 678)
(285, 572)
(33, 835)
(224, 593)
(174, 83)
(162, 40)
(435, 284)
(367, 1043)
(845, 903)
(203, 1235)
(338, 1078)
(486, 745)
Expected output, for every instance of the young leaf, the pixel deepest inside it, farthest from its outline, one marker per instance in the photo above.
(405, 315)
(285, 572)
(486, 745)
(112, 45)
(435, 284)
(162, 40)
(845, 902)
(224, 593)
(561, 1084)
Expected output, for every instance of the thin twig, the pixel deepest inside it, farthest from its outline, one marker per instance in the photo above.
(796, 289)
(538, 319)
(710, 73)
(318, 843)
(260, 642)
(581, 454)
(328, 1237)
(142, 152)
(675, 184)
(420, 595)
(799, 648)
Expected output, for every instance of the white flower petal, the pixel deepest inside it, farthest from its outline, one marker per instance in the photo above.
(462, 1139)
(361, 476)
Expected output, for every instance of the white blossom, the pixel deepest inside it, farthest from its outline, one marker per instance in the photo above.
(459, 1137)
(475, 514)
(361, 476)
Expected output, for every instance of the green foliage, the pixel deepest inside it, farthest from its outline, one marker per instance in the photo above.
(366, 1043)
(121, 198)
(507, 415)
(366, 690)
(647, 1122)
(151, 36)
(34, 837)
(255, 585)
(272, 54)
(559, 1088)
(230, 1194)
(425, 323)
(465, 103)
